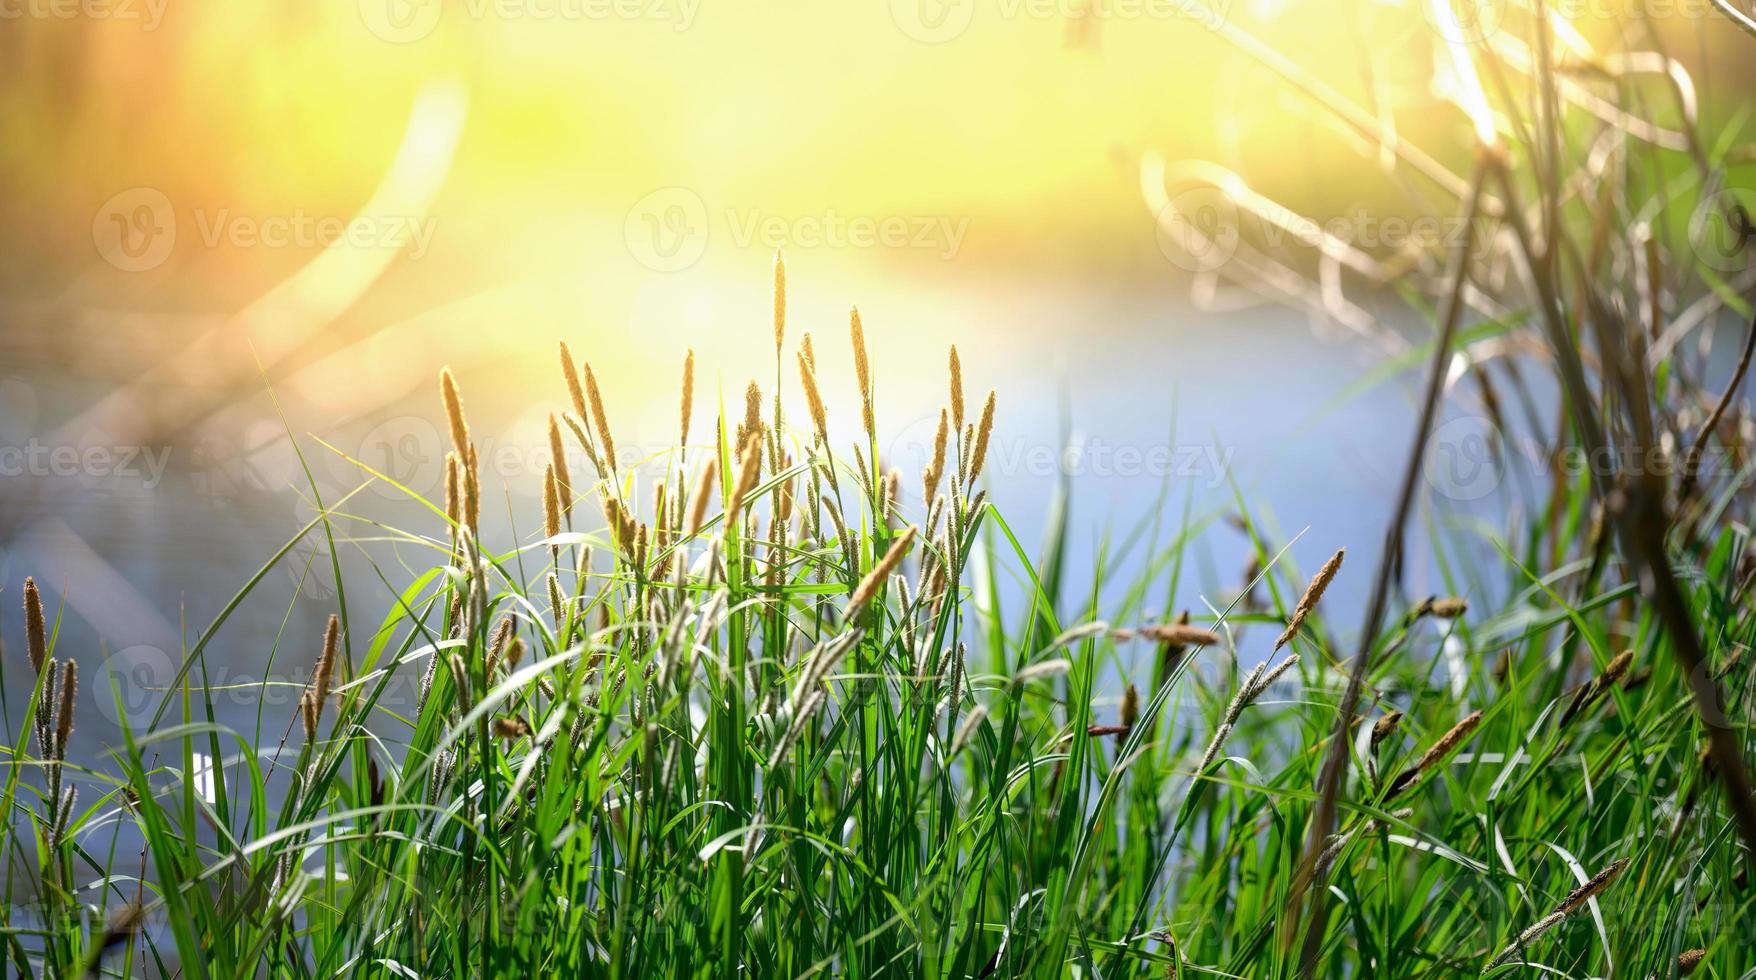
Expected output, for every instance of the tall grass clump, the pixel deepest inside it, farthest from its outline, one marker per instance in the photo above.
(758, 708)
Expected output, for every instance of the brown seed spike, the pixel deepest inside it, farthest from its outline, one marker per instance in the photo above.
(454, 411)
(1385, 727)
(749, 470)
(1689, 960)
(451, 492)
(813, 397)
(326, 662)
(1130, 707)
(574, 391)
(983, 430)
(880, 573)
(1584, 893)
(752, 424)
(558, 458)
(551, 502)
(1313, 594)
(35, 628)
(688, 402)
(1448, 608)
(64, 717)
(599, 420)
(936, 469)
(862, 370)
(956, 389)
(1181, 634)
(780, 302)
(699, 500)
(807, 352)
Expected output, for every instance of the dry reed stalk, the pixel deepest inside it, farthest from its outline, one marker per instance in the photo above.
(687, 406)
(36, 629)
(558, 459)
(868, 587)
(599, 420)
(454, 412)
(699, 500)
(1572, 903)
(1441, 749)
(956, 389)
(551, 502)
(813, 397)
(863, 371)
(983, 430)
(1313, 594)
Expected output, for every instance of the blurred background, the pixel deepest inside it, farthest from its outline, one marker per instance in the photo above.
(233, 225)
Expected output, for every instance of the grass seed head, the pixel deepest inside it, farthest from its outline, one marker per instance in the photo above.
(599, 419)
(862, 370)
(558, 459)
(868, 587)
(983, 431)
(813, 397)
(1313, 594)
(551, 502)
(1450, 607)
(687, 406)
(956, 388)
(576, 393)
(64, 715)
(780, 303)
(1130, 706)
(35, 626)
(1385, 727)
(703, 495)
(320, 682)
(1179, 634)
(1689, 960)
(454, 411)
